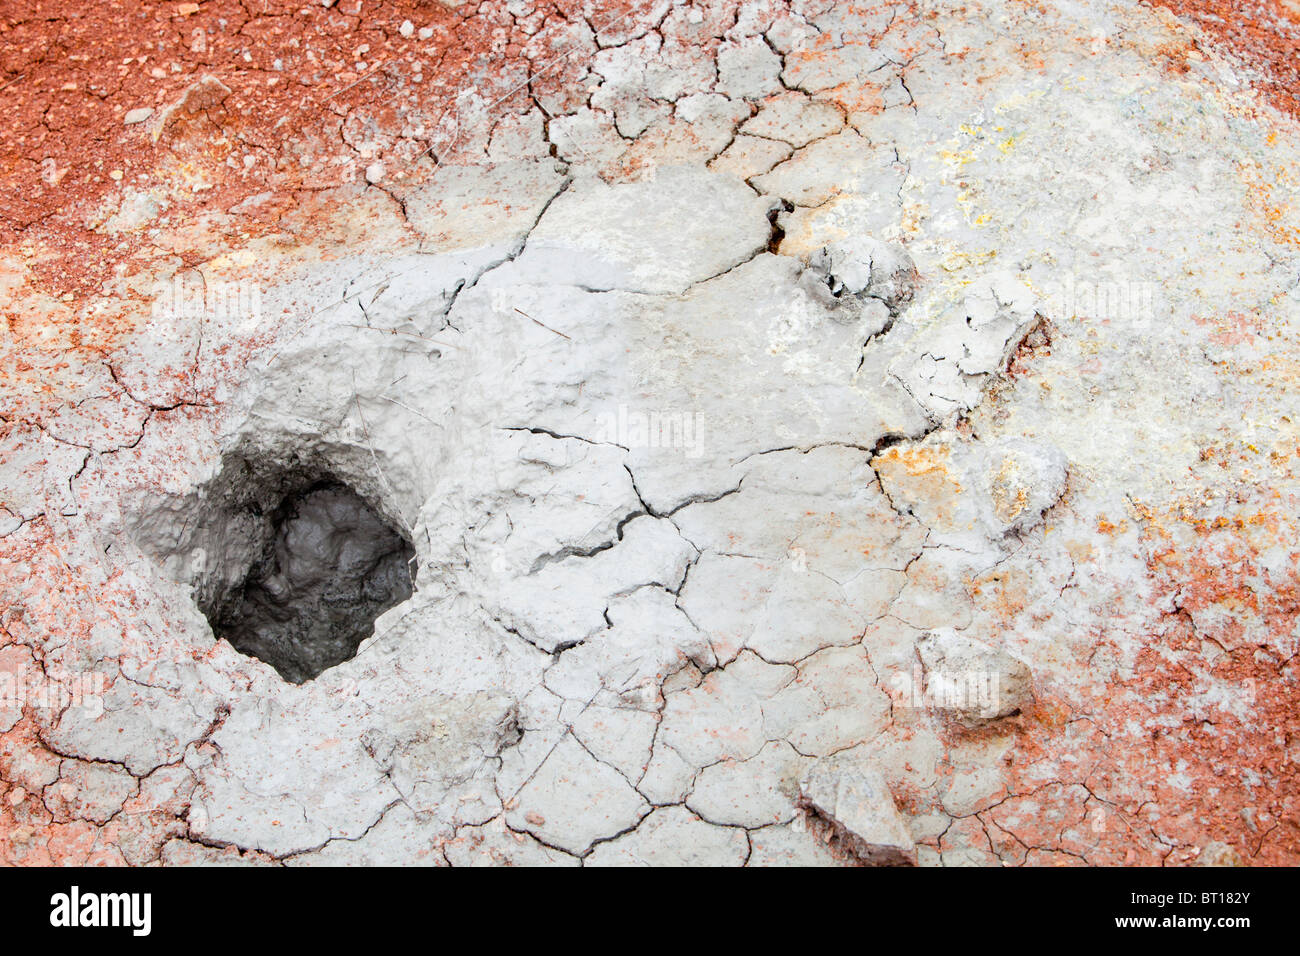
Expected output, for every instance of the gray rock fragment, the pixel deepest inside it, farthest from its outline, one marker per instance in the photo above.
(206, 93)
(1215, 853)
(971, 680)
(1022, 479)
(850, 794)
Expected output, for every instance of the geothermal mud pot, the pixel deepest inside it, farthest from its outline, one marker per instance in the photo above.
(769, 433)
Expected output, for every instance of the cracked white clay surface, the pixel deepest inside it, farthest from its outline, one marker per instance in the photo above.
(840, 277)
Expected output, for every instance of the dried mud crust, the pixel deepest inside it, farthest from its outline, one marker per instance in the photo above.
(307, 85)
(1111, 767)
(310, 96)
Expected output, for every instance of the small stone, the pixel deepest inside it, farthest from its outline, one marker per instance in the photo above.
(407, 28)
(1219, 854)
(374, 172)
(207, 93)
(426, 33)
(970, 679)
(116, 175)
(1023, 479)
(851, 795)
(138, 115)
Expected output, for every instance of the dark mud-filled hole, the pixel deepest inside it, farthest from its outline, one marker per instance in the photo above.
(329, 565)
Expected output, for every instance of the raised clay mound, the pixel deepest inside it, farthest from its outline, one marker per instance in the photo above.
(751, 433)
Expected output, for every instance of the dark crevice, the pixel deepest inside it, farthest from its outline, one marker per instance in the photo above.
(778, 232)
(299, 570)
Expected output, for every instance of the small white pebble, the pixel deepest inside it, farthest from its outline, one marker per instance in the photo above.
(426, 33)
(138, 115)
(407, 28)
(374, 172)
